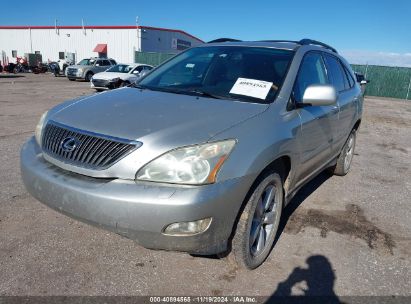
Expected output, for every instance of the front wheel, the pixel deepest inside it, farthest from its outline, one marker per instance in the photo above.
(258, 223)
(345, 159)
(88, 76)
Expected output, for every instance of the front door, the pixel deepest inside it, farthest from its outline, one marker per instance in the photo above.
(317, 122)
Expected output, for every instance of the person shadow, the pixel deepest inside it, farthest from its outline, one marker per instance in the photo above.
(319, 281)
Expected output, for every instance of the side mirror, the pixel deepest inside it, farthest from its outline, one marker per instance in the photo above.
(320, 95)
(97, 64)
(135, 72)
(143, 73)
(363, 82)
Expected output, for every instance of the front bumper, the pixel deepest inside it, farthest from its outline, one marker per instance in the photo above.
(102, 84)
(74, 74)
(139, 211)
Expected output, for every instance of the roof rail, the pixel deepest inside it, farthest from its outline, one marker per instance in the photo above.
(224, 40)
(304, 41)
(315, 42)
(280, 41)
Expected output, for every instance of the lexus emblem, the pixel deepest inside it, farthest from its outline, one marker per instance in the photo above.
(69, 144)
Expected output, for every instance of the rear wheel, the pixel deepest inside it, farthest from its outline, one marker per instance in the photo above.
(345, 159)
(258, 223)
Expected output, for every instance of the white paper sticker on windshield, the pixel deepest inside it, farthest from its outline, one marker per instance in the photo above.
(251, 87)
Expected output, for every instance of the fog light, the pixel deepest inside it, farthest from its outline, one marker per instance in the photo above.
(188, 228)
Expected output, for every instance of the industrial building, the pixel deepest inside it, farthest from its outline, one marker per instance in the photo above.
(77, 42)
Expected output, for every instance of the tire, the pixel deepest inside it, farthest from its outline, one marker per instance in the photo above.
(72, 79)
(345, 158)
(259, 221)
(88, 76)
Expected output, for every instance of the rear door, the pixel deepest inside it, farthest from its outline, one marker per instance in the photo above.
(316, 137)
(345, 86)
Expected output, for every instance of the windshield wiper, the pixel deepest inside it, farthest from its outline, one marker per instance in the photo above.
(184, 92)
(138, 86)
(207, 94)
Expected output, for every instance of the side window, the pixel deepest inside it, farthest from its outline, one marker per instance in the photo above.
(351, 80)
(139, 68)
(312, 71)
(105, 63)
(336, 73)
(113, 62)
(99, 63)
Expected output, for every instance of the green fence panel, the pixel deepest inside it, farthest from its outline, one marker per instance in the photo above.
(151, 58)
(386, 81)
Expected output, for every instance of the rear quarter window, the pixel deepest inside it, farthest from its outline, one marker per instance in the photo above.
(336, 73)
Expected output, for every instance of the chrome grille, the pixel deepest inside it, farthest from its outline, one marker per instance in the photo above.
(100, 82)
(71, 71)
(92, 151)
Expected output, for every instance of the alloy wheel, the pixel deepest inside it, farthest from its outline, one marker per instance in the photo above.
(264, 218)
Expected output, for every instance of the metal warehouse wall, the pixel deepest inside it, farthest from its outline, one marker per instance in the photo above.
(153, 40)
(121, 42)
(386, 81)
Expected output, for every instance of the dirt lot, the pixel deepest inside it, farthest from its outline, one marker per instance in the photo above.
(344, 235)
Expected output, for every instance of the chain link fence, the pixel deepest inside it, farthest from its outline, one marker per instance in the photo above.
(394, 82)
(151, 58)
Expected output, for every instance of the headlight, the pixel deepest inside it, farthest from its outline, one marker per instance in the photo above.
(80, 71)
(193, 165)
(39, 128)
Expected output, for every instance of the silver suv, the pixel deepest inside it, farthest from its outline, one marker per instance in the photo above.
(204, 153)
(86, 68)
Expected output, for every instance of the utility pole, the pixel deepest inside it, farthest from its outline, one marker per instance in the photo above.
(55, 27)
(138, 35)
(366, 70)
(82, 26)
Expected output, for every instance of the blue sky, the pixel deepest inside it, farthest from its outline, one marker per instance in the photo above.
(376, 31)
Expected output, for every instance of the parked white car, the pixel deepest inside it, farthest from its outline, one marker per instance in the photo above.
(118, 76)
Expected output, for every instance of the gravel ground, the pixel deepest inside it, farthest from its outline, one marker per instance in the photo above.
(347, 236)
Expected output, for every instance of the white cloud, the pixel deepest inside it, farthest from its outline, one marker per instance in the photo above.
(377, 58)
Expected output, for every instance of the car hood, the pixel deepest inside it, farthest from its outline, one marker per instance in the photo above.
(79, 66)
(155, 117)
(111, 75)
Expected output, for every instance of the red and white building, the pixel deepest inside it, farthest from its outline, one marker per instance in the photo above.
(120, 42)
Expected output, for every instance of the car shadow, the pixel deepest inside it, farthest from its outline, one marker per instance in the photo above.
(299, 198)
(11, 76)
(315, 282)
(296, 201)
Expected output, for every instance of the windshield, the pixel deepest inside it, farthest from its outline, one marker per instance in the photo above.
(120, 68)
(252, 74)
(86, 62)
